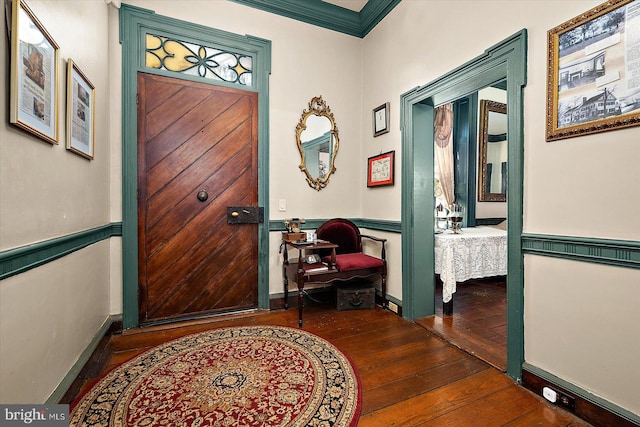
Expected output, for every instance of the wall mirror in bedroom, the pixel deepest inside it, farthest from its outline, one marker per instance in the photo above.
(492, 151)
(317, 140)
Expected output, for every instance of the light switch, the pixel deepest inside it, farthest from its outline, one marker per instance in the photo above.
(282, 205)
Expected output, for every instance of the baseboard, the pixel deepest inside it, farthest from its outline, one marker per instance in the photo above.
(87, 361)
(590, 408)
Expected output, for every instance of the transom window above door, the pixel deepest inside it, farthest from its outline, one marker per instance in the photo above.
(170, 54)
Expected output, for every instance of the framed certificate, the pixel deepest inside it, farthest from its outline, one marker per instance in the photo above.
(80, 112)
(380, 169)
(34, 75)
(381, 119)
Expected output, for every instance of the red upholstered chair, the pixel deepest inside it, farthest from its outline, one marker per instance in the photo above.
(351, 262)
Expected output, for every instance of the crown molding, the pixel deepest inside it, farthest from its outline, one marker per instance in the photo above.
(327, 15)
(373, 12)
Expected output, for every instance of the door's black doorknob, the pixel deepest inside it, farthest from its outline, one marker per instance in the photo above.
(202, 195)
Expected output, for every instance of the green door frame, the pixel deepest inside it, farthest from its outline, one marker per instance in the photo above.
(507, 59)
(135, 22)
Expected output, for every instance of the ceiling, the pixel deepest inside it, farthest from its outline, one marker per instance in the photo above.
(355, 5)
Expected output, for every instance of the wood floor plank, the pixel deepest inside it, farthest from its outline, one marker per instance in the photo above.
(495, 409)
(409, 376)
(407, 367)
(372, 361)
(479, 322)
(423, 408)
(545, 415)
(391, 392)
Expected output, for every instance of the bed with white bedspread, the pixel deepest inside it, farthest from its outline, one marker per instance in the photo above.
(474, 253)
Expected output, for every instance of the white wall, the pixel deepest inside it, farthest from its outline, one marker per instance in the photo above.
(50, 314)
(569, 185)
(47, 191)
(582, 325)
(114, 68)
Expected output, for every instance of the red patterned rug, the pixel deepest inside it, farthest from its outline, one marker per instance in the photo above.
(243, 376)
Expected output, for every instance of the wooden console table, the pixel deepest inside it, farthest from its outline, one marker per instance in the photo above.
(297, 270)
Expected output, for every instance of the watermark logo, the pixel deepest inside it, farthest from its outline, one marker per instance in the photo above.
(34, 415)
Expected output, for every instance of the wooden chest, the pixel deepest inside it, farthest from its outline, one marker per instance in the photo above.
(355, 297)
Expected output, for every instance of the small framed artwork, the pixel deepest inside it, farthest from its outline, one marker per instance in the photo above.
(592, 75)
(34, 75)
(80, 112)
(380, 170)
(381, 119)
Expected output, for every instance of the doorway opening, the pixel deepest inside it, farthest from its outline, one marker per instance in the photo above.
(504, 61)
(470, 177)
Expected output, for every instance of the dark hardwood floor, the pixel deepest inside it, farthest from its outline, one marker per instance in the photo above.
(479, 321)
(409, 376)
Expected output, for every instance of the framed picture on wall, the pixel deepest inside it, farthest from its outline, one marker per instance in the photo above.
(381, 119)
(34, 75)
(380, 170)
(80, 112)
(593, 83)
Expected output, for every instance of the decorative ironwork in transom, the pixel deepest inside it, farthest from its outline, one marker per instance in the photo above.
(164, 53)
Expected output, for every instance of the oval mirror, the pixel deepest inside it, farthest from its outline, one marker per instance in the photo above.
(492, 172)
(317, 139)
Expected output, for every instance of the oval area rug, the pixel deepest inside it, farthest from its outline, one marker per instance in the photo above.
(240, 376)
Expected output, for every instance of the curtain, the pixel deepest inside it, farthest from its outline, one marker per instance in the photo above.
(443, 150)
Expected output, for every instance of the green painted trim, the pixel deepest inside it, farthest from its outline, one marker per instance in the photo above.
(465, 114)
(370, 224)
(418, 258)
(24, 258)
(327, 15)
(598, 401)
(309, 224)
(70, 377)
(134, 23)
(373, 12)
(506, 59)
(379, 225)
(620, 253)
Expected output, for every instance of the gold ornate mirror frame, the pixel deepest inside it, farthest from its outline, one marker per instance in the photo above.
(318, 107)
(484, 194)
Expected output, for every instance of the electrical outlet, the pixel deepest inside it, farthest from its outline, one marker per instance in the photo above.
(567, 402)
(392, 306)
(559, 398)
(550, 394)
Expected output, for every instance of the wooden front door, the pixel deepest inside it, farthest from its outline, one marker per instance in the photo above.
(197, 155)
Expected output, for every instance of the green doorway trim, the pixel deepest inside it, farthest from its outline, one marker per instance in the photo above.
(135, 22)
(507, 59)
